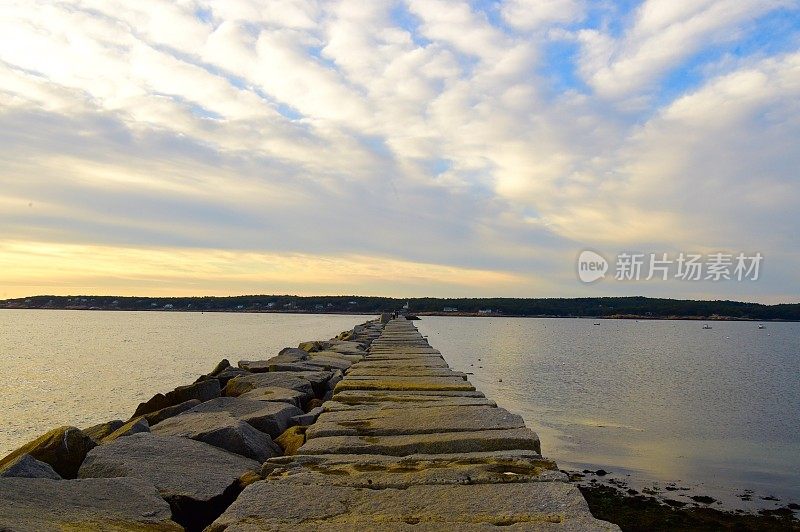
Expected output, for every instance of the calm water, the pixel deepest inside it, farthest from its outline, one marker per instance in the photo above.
(81, 367)
(717, 409)
(660, 401)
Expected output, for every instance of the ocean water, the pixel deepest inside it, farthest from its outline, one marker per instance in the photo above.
(654, 402)
(85, 367)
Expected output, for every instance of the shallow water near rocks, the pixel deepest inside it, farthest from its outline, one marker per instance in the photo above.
(86, 367)
(652, 402)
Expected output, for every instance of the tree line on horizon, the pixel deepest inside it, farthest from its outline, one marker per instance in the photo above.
(638, 306)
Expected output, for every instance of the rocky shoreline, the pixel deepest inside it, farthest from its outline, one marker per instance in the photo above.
(367, 430)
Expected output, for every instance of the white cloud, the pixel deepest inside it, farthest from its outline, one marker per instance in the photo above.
(661, 34)
(533, 14)
(331, 128)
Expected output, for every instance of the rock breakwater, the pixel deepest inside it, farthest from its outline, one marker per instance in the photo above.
(369, 430)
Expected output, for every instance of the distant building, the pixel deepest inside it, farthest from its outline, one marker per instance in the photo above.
(168, 305)
(450, 309)
(319, 307)
(406, 306)
(485, 311)
(239, 307)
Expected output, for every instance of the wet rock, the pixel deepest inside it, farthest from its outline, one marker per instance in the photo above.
(133, 426)
(202, 391)
(292, 439)
(220, 429)
(37, 504)
(26, 466)
(269, 417)
(198, 480)
(703, 499)
(100, 431)
(63, 449)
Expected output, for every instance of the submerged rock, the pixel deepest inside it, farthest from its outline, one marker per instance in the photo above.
(26, 466)
(63, 449)
(38, 504)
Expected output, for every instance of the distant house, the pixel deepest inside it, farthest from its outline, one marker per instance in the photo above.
(450, 309)
(240, 307)
(485, 311)
(270, 305)
(168, 305)
(353, 303)
(319, 307)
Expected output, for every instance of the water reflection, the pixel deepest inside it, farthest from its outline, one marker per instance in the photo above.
(664, 399)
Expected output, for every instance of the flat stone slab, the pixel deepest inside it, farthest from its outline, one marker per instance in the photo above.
(269, 417)
(116, 504)
(424, 362)
(401, 371)
(379, 471)
(391, 422)
(272, 505)
(340, 356)
(372, 396)
(444, 442)
(416, 401)
(405, 383)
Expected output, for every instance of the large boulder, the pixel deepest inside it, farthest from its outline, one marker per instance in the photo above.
(268, 417)
(277, 394)
(198, 480)
(63, 449)
(202, 391)
(114, 504)
(293, 380)
(101, 430)
(165, 413)
(26, 466)
(133, 426)
(293, 352)
(223, 430)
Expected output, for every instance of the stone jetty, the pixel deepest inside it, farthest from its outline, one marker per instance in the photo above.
(370, 430)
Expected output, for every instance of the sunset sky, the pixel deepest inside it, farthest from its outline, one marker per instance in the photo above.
(401, 148)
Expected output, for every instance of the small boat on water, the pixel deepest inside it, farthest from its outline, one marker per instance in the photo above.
(706, 326)
(760, 326)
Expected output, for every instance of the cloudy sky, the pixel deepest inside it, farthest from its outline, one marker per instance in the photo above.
(407, 148)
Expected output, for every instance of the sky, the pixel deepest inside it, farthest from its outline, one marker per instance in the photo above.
(399, 148)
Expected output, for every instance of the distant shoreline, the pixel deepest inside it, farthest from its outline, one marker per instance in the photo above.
(636, 317)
